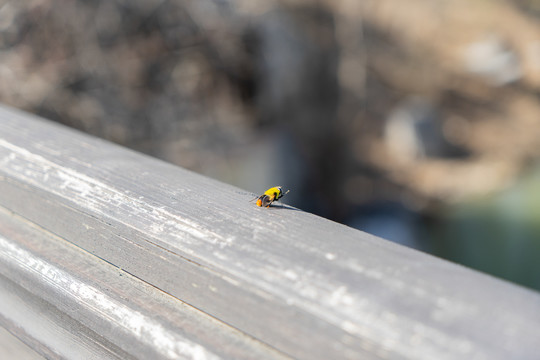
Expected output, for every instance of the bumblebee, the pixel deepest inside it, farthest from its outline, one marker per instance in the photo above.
(273, 194)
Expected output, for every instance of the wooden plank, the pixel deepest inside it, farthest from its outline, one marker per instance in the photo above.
(305, 286)
(71, 305)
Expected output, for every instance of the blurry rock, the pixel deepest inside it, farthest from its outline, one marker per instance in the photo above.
(415, 130)
(492, 59)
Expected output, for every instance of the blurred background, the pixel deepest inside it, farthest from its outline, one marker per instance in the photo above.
(418, 120)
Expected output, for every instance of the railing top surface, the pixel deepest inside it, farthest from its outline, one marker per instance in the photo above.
(297, 282)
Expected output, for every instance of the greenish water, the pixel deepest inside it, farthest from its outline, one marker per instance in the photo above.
(497, 234)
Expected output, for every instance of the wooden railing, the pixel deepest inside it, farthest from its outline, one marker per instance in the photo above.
(109, 254)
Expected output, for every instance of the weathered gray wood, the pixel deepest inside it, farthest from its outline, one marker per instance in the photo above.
(303, 285)
(71, 305)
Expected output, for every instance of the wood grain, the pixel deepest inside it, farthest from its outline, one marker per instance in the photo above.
(295, 283)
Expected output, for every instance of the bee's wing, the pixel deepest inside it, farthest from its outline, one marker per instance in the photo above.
(265, 200)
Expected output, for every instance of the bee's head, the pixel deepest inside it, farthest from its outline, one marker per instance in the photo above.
(280, 192)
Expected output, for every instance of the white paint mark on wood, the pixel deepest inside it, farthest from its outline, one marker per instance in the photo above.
(330, 256)
(340, 296)
(290, 274)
